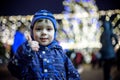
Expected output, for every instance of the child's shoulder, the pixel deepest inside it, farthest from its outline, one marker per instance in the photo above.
(55, 44)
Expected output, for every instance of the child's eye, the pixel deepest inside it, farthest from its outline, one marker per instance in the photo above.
(38, 29)
(49, 29)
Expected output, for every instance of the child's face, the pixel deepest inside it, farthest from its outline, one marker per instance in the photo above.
(43, 32)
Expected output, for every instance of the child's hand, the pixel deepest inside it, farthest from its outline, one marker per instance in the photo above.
(33, 44)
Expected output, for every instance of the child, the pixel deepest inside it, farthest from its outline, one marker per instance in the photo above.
(41, 57)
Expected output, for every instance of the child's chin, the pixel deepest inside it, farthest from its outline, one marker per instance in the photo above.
(44, 43)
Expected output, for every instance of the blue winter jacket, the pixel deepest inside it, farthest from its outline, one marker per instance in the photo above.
(49, 63)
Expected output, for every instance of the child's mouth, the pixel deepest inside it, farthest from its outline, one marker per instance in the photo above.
(43, 39)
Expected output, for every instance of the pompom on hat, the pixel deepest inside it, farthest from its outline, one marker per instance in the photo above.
(44, 14)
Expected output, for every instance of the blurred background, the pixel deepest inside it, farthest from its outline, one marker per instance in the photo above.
(79, 30)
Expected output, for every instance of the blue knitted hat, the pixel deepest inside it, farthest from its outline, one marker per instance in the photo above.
(44, 14)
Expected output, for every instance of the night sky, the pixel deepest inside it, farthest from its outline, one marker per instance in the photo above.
(29, 7)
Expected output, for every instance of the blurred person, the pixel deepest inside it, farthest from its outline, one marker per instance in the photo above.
(41, 57)
(2, 53)
(78, 60)
(99, 59)
(19, 38)
(93, 59)
(118, 59)
(107, 49)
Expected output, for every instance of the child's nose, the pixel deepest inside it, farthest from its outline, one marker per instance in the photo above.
(44, 31)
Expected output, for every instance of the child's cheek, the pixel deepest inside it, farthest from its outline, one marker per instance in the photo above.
(38, 33)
